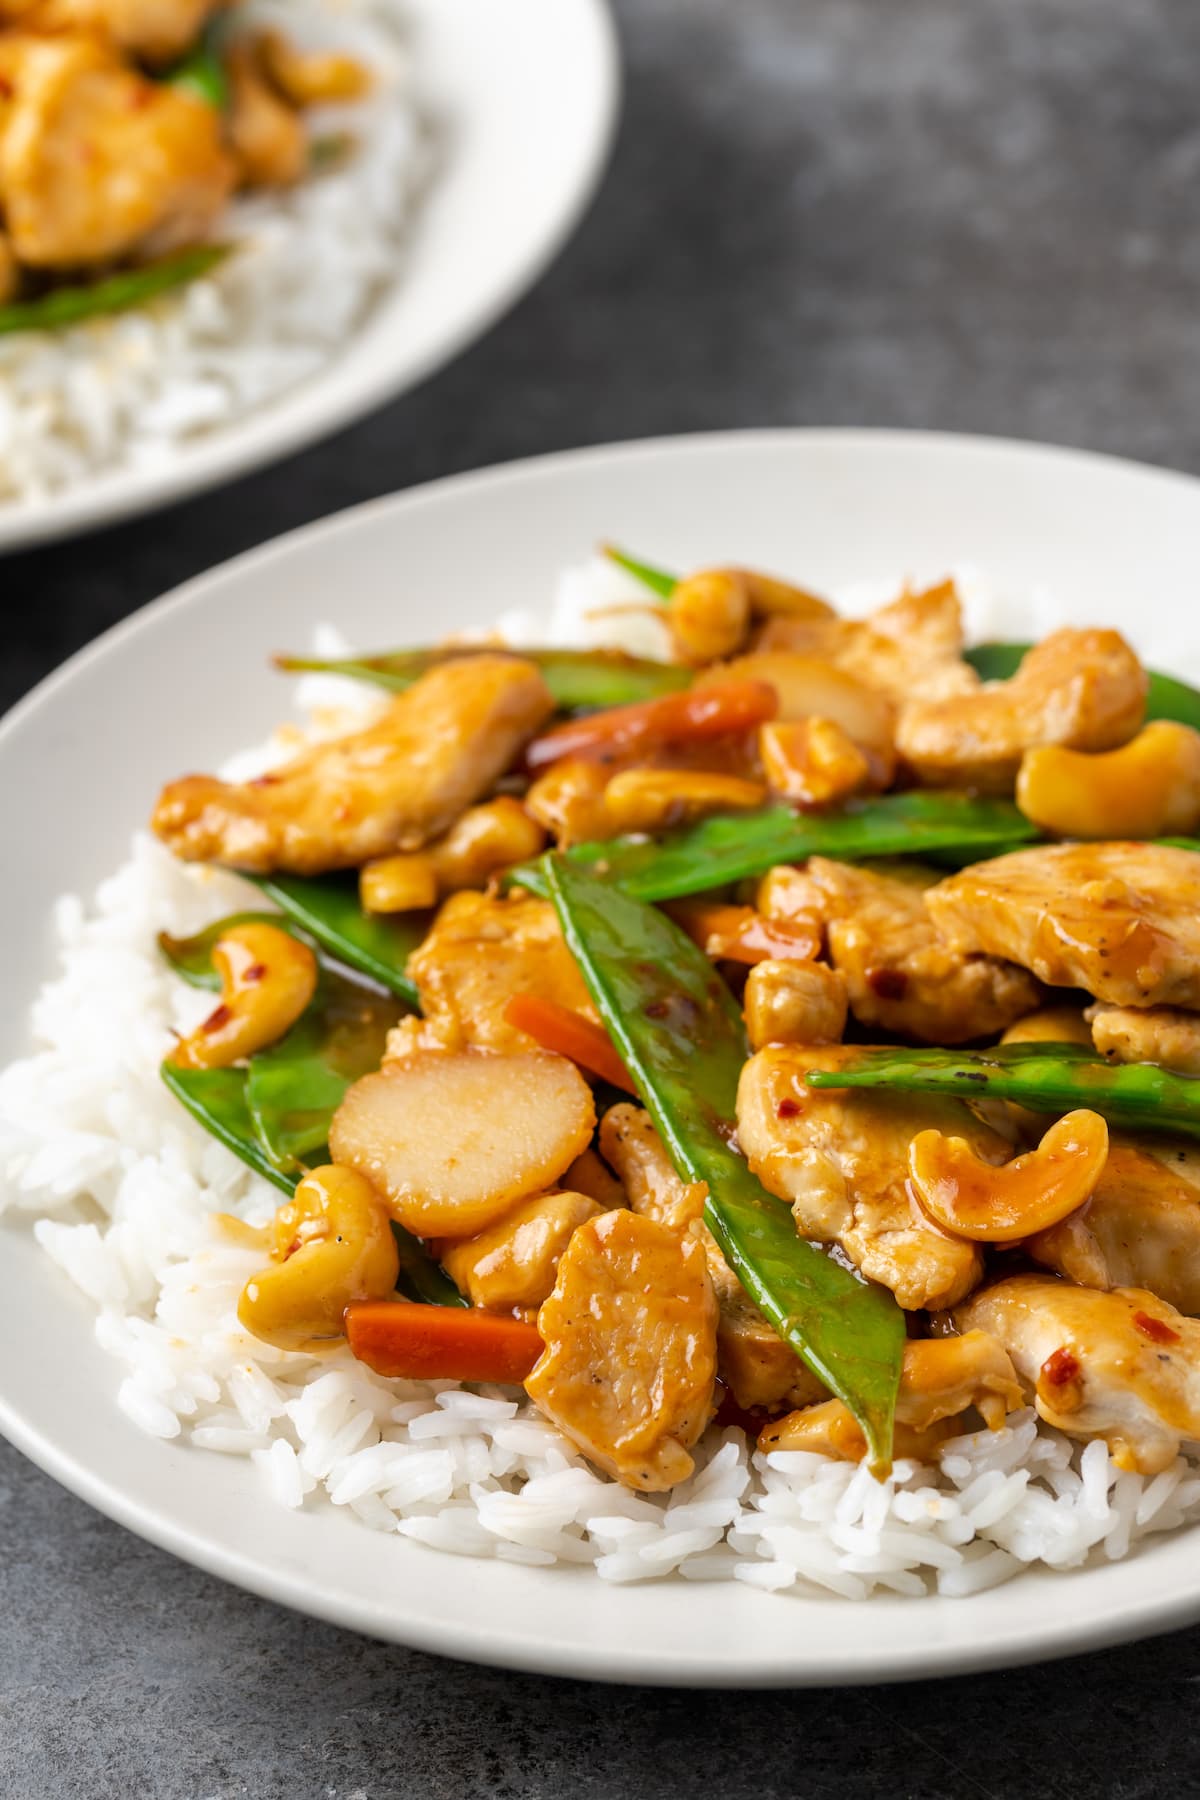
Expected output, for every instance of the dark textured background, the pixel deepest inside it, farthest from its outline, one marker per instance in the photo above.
(969, 214)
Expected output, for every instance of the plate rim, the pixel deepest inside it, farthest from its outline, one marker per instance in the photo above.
(485, 1645)
(103, 501)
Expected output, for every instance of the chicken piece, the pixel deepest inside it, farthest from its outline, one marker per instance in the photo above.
(1082, 689)
(1141, 1227)
(1155, 1034)
(1122, 1366)
(631, 1349)
(511, 1265)
(841, 1158)
(481, 951)
(630, 1145)
(794, 1003)
(267, 135)
(911, 647)
(395, 786)
(900, 974)
(942, 1378)
(1121, 920)
(153, 31)
(96, 160)
(589, 1174)
(757, 1367)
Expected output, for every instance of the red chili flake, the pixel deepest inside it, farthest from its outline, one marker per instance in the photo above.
(141, 97)
(215, 1020)
(7, 90)
(1155, 1329)
(657, 1009)
(1060, 1367)
(255, 972)
(264, 781)
(787, 1109)
(888, 984)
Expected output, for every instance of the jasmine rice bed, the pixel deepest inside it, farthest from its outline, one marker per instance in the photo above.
(121, 1184)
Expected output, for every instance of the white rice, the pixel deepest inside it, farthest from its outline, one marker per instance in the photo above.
(129, 391)
(121, 1184)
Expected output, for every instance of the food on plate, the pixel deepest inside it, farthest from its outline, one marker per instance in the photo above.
(676, 1092)
(192, 164)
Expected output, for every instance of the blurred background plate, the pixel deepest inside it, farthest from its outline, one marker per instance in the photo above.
(1099, 540)
(521, 96)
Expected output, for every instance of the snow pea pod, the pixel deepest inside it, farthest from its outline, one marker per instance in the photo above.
(680, 1035)
(729, 847)
(294, 1087)
(115, 293)
(1166, 697)
(580, 680)
(201, 73)
(327, 908)
(657, 580)
(1052, 1078)
(216, 1098)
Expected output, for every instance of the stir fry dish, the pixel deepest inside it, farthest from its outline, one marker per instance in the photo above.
(126, 126)
(802, 1033)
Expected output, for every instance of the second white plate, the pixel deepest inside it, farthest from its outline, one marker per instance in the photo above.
(522, 100)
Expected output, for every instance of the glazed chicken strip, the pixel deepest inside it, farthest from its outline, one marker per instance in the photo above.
(841, 1159)
(395, 786)
(630, 1357)
(912, 646)
(942, 1378)
(155, 31)
(481, 951)
(1083, 689)
(900, 974)
(96, 160)
(1121, 920)
(1157, 1034)
(1122, 1366)
(1141, 1227)
(757, 1367)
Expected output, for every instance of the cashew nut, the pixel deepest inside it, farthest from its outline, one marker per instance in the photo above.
(331, 1244)
(1150, 787)
(811, 761)
(1051, 1025)
(394, 884)
(990, 1205)
(652, 799)
(811, 686)
(709, 615)
(568, 800)
(483, 841)
(312, 77)
(268, 978)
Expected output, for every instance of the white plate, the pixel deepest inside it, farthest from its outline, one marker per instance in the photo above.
(80, 761)
(522, 96)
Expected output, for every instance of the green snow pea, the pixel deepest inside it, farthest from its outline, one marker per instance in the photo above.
(657, 580)
(680, 1035)
(580, 680)
(1167, 698)
(201, 72)
(1051, 1078)
(191, 957)
(729, 847)
(114, 293)
(327, 908)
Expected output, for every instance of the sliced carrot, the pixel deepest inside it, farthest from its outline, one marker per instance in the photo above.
(688, 718)
(562, 1029)
(440, 1343)
(739, 934)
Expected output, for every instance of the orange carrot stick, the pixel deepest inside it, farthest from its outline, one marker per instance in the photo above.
(561, 1028)
(688, 718)
(739, 934)
(440, 1343)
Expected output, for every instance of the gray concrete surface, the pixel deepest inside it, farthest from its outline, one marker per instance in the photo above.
(970, 214)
